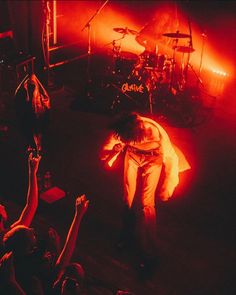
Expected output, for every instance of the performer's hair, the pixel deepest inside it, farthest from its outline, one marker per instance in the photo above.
(128, 127)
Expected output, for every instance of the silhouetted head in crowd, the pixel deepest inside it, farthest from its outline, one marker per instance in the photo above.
(129, 127)
(20, 240)
(71, 280)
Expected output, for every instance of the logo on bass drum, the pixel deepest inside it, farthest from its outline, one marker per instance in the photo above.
(126, 87)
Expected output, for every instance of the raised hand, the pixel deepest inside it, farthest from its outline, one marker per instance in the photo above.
(33, 162)
(81, 204)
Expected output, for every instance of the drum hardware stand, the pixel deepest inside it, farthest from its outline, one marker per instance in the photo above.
(150, 99)
(204, 36)
(153, 85)
(184, 68)
(116, 52)
(173, 63)
(199, 80)
(188, 64)
(115, 48)
(89, 51)
(184, 72)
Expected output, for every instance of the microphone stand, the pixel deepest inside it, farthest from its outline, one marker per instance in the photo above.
(173, 63)
(89, 51)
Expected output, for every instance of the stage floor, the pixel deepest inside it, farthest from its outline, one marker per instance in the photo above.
(196, 232)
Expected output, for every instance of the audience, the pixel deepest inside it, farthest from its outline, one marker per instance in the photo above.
(70, 280)
(70, 276)
(34, 267)
(29, 266)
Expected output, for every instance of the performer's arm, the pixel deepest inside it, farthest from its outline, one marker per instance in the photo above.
(30, 208)
(81, 206)
(112, 147)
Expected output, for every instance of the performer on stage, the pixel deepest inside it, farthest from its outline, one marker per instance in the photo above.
(151, 36)
(148, 149)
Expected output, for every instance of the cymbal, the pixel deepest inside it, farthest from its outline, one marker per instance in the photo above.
(176, 35)
(184, 49)
(125, 31)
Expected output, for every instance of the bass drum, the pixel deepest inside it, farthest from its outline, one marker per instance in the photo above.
(124, 63)
(134, 93)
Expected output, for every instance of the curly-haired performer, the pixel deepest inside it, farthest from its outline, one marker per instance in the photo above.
(147, 149)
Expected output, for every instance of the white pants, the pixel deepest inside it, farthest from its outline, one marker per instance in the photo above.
(150, 173)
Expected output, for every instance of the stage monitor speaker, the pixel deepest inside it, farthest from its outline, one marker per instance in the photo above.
(52, 195)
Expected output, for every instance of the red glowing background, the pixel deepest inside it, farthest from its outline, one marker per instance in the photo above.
(72, 16)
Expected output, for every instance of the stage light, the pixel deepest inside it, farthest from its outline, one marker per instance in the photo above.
(219, 72)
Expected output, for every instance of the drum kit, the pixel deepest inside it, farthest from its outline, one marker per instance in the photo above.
(146, 74)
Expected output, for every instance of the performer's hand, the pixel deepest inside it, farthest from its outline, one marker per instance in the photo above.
(164, 195)
(81, 204)
(33, 162)
(118, 147)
